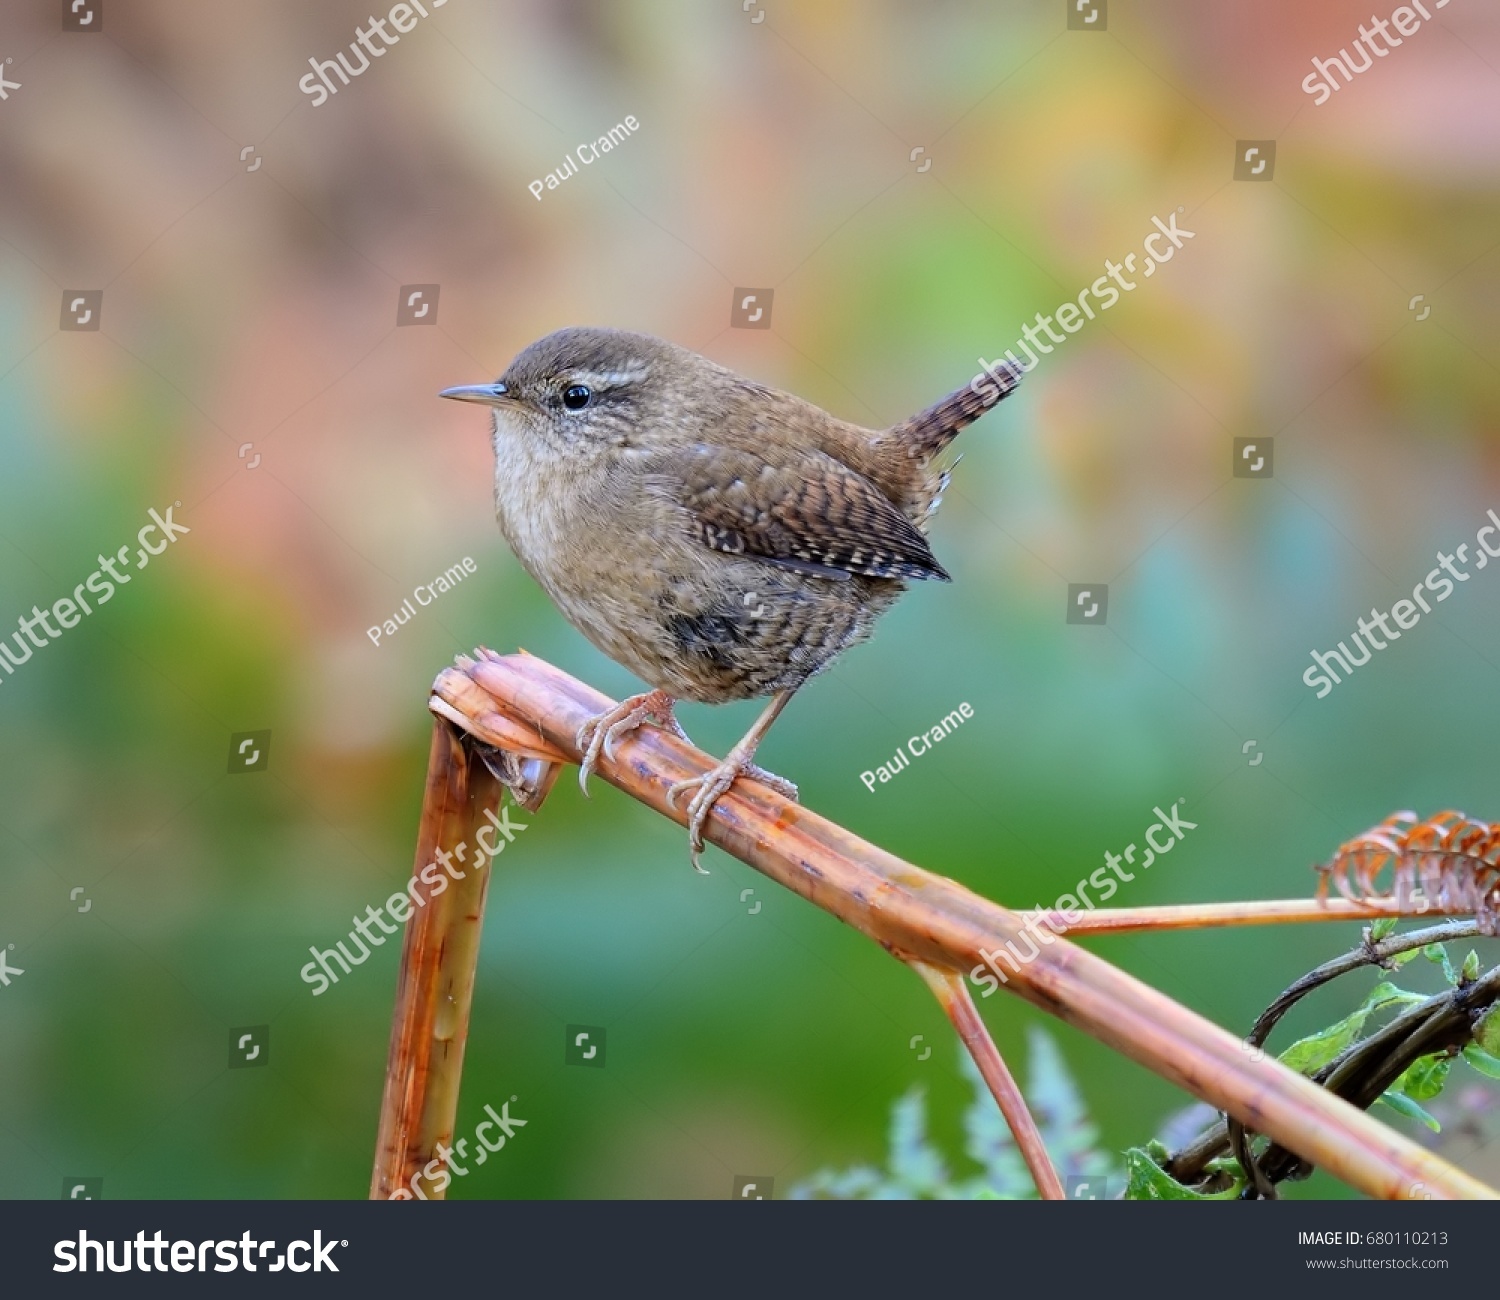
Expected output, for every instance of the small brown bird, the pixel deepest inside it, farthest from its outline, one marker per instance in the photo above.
(720, 539)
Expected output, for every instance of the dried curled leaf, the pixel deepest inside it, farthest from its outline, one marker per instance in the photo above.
(529, 780)
(1453, 859)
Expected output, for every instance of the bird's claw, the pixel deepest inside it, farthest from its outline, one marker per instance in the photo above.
(709, 787)
(786, 789)
(598, 735)
(590, 740)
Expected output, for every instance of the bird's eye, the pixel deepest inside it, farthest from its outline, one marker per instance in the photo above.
(576, 397)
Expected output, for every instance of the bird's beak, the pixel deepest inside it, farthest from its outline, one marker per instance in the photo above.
(489, 394)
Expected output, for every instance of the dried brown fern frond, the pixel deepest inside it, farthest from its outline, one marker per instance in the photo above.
(1452, 858)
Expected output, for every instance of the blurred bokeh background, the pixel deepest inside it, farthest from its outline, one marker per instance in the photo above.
(251, 247)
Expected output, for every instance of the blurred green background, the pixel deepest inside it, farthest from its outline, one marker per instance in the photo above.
(255, 304)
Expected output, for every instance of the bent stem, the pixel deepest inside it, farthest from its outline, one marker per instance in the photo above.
(928, 918)
(949, 989)
(435, 988)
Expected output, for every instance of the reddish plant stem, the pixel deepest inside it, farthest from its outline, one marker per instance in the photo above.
(951, 991)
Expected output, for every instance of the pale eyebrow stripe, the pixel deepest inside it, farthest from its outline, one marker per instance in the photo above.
(612, 378)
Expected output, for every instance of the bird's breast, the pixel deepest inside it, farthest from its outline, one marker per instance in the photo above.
(623, 565)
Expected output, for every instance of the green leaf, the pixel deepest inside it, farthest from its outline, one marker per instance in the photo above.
(1487, 1031)
(1379, 929)
(1386, 994)
(1482, 1061)
(1150, 1182)
(1437, 954)
(1470, 971)
(916, 1168)
(915, 1163)
(1401, 958)
(1404, 1105)
(1310, 1054)
(857, 1184)
(1061, 1116)
(1225, 1165)
(1424, 1078)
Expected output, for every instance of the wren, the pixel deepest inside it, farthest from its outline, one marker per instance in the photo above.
(718, 538)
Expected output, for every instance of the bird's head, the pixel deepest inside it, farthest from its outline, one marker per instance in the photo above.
(582, 391)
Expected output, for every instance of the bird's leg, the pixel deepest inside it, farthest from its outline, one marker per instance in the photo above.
(601, 733)
(713, 783)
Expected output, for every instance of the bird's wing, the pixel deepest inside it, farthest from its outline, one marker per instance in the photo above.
(811, 513)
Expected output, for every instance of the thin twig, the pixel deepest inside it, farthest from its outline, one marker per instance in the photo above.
(951, 991)
(1397, 1045)
(1444, 1023)
(1367, 954)
(1202, 916)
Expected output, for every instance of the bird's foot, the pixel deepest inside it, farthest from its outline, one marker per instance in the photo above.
(599, 734)
(715, 782)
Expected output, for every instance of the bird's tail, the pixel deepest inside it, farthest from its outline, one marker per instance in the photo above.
(925, 434)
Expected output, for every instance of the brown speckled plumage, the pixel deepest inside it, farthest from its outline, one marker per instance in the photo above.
(720, 539)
